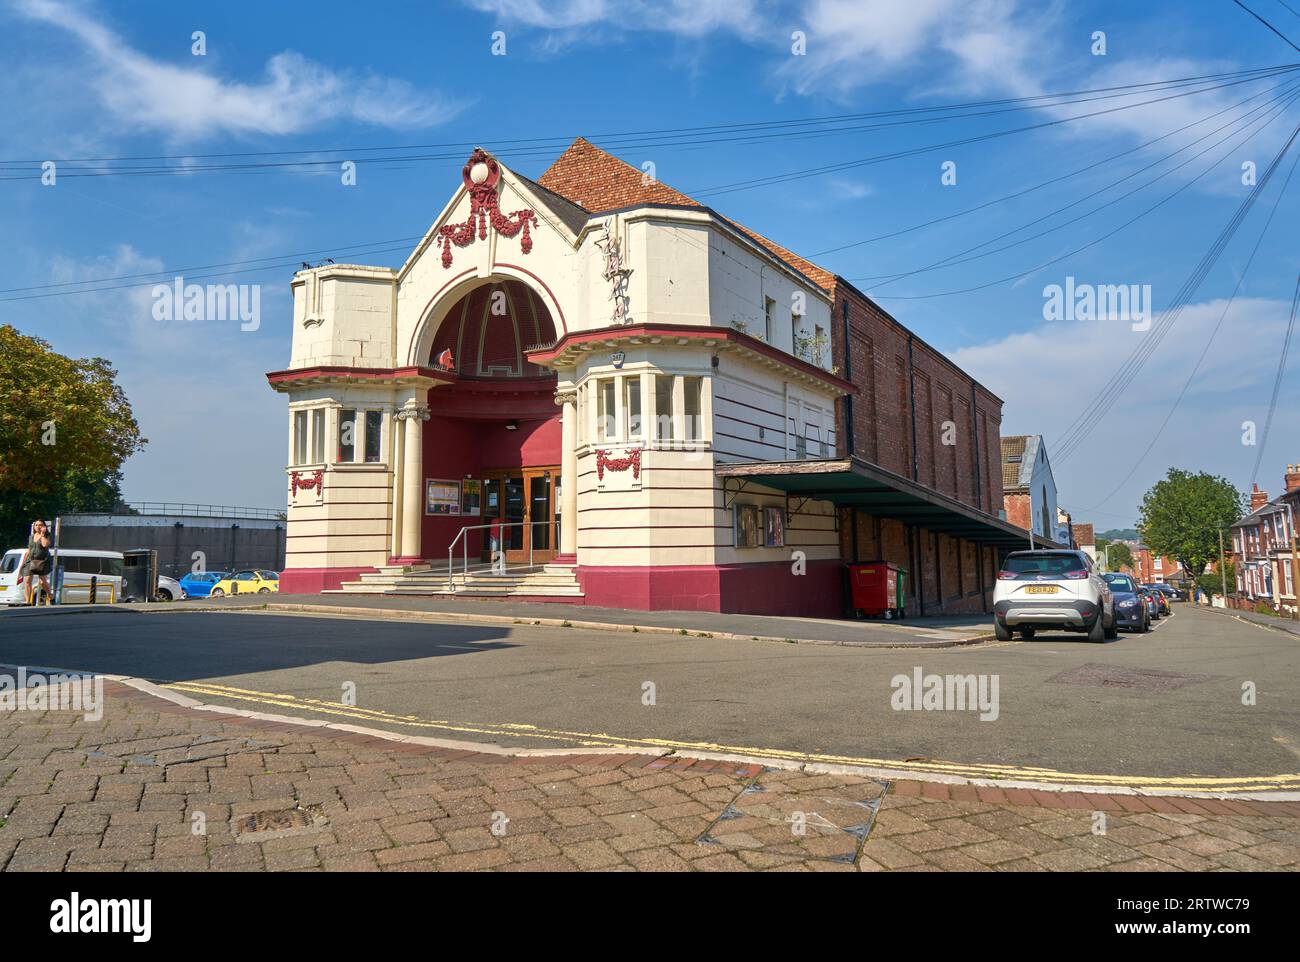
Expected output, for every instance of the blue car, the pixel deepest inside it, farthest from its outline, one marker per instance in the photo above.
(1131, 608)
(200, 585)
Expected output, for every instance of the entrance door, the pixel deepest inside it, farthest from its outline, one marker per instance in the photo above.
(522, 501)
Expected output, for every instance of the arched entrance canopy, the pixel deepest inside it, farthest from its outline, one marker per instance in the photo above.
(488, 332)
(527, 299)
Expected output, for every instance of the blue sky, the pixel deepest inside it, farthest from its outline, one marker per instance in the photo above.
(93, 80)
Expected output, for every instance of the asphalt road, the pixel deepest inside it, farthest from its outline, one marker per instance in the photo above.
(1168, 703)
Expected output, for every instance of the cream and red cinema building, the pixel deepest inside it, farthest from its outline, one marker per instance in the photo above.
(625, 399)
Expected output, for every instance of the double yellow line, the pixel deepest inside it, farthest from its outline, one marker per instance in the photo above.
(1151, 783)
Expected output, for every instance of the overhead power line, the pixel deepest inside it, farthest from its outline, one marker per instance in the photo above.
(1284, 37)
(361, 248)
(1036, 187)
(1277, 381)
(693, 141)
(1259, 126)
(930, 148)
(1209, 342)
(549, 143)
(162, 276)
(1109, 393)
(954, 260)
(300, 255)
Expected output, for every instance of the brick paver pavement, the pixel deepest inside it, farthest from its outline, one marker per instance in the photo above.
(152, 786)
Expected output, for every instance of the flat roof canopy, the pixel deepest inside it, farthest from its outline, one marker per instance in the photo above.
(854, 483)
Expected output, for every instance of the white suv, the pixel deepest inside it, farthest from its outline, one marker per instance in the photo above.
(1057, 590)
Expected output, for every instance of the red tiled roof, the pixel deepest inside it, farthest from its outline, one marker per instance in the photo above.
(598, 181)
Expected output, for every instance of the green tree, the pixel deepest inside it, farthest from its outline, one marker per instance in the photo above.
(1212, 582)
(1182, 515)
(1117, 554)
(66, 428)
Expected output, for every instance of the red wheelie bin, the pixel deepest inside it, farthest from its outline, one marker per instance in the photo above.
(878, 589)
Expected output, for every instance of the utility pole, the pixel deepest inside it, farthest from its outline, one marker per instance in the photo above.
(1295, 567)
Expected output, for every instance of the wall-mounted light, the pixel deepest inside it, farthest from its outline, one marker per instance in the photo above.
(512, 425)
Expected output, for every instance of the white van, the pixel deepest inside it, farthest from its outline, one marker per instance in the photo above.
(77, 566)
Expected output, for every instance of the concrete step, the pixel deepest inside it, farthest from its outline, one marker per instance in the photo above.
(480, 581)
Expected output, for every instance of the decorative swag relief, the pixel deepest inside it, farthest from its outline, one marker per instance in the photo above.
(481, 174)
(605, 463)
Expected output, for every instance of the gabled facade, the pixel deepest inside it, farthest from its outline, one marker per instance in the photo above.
(1029, 489)
(579, 372)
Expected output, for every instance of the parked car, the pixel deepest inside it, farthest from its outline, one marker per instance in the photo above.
(1131, 610)
(199, 584)
(1172, 592)
(1153, 606)
(1056, 590)
(247, 582)
(169, 589)
(1162, 599)
(78, 567)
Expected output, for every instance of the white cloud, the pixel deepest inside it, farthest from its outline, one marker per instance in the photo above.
(1047, 375)
(930, 48)
(846, 189)
(686, 18)
(974, 44)
(198, 388)
(189, 102)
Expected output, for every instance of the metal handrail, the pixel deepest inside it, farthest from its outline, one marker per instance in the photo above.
(464, 546)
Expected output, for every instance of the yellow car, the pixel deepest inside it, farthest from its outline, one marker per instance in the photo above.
(250, 581)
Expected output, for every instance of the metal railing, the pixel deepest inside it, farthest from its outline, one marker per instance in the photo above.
(199, 510)
(464, 547)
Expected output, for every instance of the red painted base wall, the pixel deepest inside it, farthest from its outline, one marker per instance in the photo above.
(759, 589)
(312, 581)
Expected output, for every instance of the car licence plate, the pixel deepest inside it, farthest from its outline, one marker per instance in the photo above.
(1041, 590)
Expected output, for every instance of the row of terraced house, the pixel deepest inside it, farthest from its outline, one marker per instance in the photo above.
(1264, 544)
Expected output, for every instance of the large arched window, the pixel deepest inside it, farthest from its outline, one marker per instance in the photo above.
(490, 329)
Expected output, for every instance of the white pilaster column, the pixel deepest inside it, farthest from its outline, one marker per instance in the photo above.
(568, 402)
(398, 493)
(413, 415)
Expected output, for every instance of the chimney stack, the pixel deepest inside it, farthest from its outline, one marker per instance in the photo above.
(1292, 477)
(1258, 498)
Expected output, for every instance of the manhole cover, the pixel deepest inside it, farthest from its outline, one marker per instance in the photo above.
(279, 823)
(775, 816)
(1134, 679)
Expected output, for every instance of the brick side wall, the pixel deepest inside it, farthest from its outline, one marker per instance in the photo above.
(958, 432)
(1019, 509)
(948, 441)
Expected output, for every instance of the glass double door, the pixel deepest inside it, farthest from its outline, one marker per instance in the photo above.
(520, 505)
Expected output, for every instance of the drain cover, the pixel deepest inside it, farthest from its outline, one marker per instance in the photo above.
(280, 822)
(827, 822)
(1134, 679)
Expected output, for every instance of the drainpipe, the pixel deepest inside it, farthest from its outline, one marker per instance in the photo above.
(848, 376)
(785, 416)
(975, 454)
(848, 416)
(911, 390)
(918, 562)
